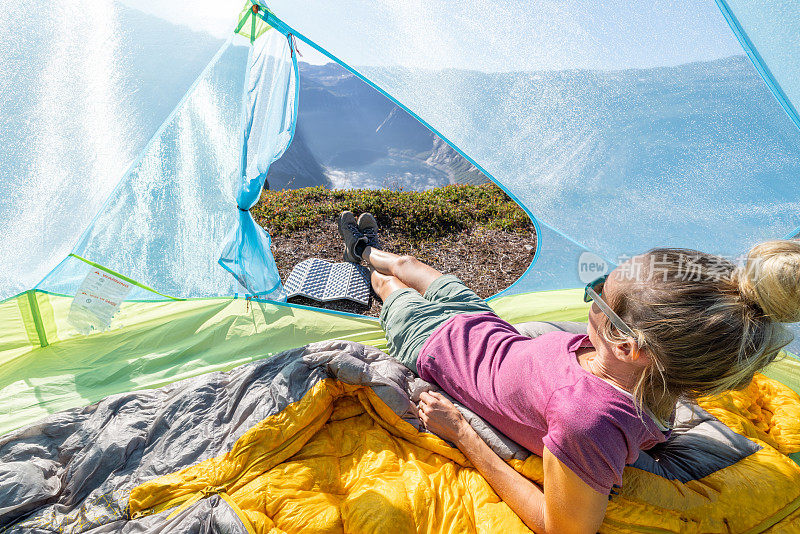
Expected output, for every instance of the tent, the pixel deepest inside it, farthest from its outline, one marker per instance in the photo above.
(711, 165)
(617, 127)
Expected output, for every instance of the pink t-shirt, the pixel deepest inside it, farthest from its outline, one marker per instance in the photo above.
(535, 392)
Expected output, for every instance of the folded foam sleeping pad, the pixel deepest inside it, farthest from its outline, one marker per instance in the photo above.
(325, 438)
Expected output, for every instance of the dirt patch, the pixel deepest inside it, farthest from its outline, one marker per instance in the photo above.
(486, 260)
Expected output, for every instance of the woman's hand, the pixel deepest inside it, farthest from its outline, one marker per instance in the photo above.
(553, 510)
(441, 417)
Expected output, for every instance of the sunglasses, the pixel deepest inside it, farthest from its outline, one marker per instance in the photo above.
(592, 293)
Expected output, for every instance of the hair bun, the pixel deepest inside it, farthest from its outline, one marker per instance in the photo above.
(771, 279)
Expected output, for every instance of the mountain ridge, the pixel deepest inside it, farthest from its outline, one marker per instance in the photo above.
(350, 135)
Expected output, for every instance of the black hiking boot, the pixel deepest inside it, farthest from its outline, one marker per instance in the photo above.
(369, 228)
(351, 235)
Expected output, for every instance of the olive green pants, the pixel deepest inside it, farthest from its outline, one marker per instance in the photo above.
(409, 318)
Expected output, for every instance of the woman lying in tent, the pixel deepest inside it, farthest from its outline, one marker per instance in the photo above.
(669, 324)
(586, 403)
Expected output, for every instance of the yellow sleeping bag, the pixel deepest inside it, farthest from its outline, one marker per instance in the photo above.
(340, 460)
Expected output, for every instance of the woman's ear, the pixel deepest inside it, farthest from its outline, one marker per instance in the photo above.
(630, 352)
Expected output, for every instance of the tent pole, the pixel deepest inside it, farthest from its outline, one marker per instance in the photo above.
(758, 62)
(33, 303)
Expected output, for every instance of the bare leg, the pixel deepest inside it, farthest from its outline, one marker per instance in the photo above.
(407, 270)
(384, 285)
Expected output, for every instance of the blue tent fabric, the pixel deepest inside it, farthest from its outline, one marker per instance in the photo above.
(164, 223)
(83, 87)
(270, 113)
(618, 126)
(769, 32)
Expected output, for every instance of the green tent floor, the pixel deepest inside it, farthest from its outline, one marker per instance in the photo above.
(154, 343)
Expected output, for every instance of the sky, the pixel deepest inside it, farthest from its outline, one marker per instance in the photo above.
(487, 36)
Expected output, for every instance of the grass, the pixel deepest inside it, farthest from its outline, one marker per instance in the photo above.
(418, 216)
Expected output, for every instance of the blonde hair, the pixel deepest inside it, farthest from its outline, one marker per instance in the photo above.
(707, 324)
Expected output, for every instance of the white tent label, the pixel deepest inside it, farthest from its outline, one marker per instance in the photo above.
(97, 300)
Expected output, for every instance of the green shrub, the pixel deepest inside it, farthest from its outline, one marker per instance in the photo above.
(415, 215)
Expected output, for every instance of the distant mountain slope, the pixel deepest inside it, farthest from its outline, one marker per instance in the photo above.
(297, 168)
(583, 136)
(349, 135)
